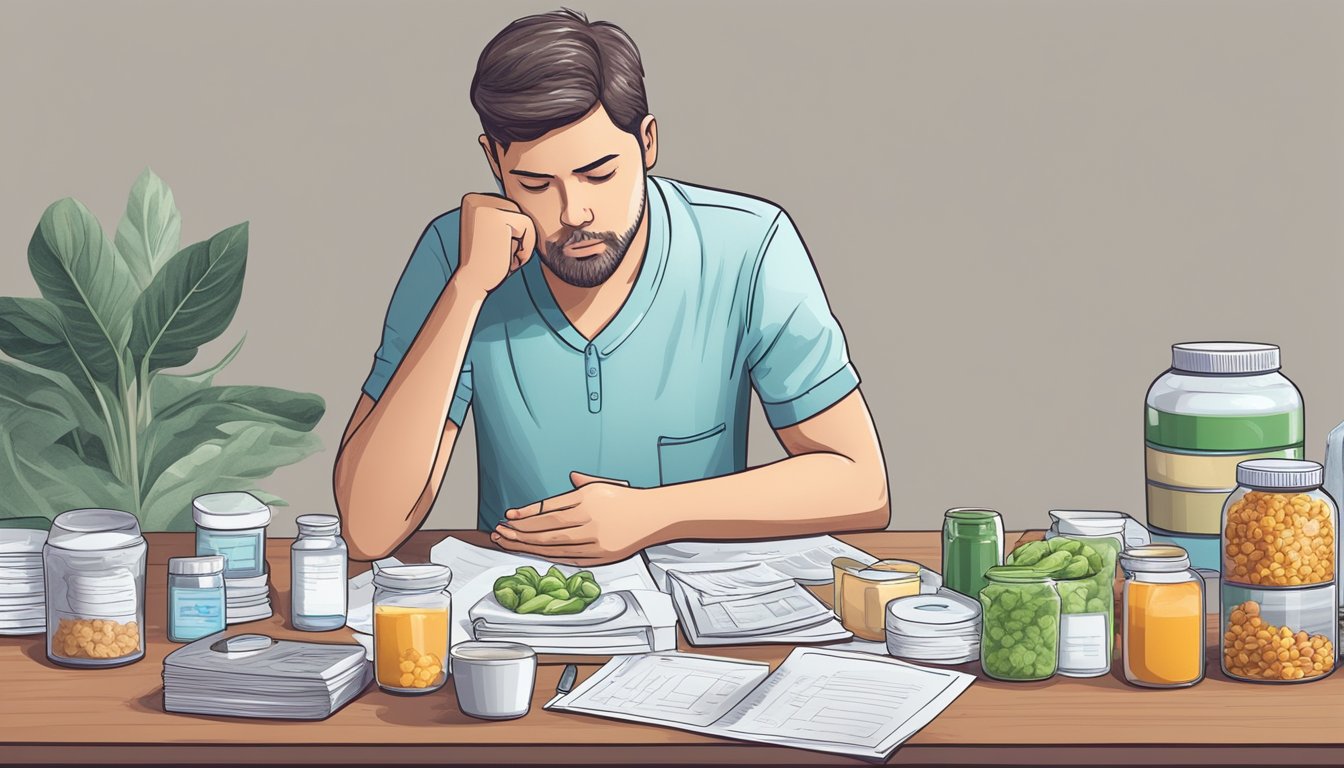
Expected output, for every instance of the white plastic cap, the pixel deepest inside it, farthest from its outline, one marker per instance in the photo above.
(413, 577)
(319, 525)
(231, 511)
(1224, 357)
(1284, 474)
(205, 565)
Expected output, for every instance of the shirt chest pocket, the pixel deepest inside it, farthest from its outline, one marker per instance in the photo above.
(695, 457)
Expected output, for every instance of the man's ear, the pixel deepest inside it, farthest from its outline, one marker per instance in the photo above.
(648, 139)
(488, 147)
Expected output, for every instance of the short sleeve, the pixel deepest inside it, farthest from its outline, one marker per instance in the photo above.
(797, 355)
(421, 283)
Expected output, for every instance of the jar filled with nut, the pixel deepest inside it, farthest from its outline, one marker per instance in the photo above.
(1279, 586)
(94, 565)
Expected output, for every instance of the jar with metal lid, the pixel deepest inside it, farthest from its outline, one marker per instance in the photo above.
(318, 585)
(972, 544)
(94, 565)
(1219, 404)
(195, 597)
(1278, 586)
(1162, 638)
(1019, 624)
(412, 612)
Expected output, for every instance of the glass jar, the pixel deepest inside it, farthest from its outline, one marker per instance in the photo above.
(1162, 644)
(1279, 588)
(318, 582)
(1220, 403)
(195, 597)
(1020, 612)
(94, 565)
(233, 525)
(412, 613)
(1087, 624)
(972, 544)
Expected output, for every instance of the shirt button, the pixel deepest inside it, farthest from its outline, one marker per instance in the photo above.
(592, 395)
(592, 371)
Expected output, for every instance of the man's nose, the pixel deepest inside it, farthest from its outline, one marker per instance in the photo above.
(575, 212)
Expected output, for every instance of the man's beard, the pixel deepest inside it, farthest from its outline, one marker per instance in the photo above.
(592, 270)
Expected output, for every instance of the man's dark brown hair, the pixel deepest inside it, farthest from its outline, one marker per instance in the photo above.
(546, 71)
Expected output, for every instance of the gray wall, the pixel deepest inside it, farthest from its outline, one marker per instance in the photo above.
(1016, 207)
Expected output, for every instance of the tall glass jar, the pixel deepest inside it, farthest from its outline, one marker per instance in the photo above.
(318, 583)
(972, 544)
(412, 613)
(94, 565)
(1019, 627)
(1162, 642)
(1279, 588)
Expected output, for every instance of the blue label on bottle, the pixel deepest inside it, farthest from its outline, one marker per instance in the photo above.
(195, 613)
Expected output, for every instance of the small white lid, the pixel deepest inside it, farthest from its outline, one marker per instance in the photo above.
(230, 511)
(205, 565)
(318, 525)
(412, 578)
(94, 530)
(945, 609)
(1280, 474)
(1224, 357)
(1156, 558)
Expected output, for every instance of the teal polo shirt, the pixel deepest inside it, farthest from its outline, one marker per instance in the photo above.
(726, 300)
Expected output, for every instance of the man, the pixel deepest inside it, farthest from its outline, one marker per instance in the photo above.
(604, 327)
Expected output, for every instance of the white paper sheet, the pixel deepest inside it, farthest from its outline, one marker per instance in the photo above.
(806, 560)
(359, 598)
(731, 581)
(832, 701)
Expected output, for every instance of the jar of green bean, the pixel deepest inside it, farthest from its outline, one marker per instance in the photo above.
(1019, 630)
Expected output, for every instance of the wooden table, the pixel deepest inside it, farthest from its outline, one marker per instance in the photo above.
(56, 715)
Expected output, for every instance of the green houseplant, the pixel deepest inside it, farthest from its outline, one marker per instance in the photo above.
(90, 415)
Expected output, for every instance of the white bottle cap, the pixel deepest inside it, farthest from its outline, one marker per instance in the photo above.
(1280, 474)
(232, 511)
(205, 565)
(1224, 357)
(318, 525)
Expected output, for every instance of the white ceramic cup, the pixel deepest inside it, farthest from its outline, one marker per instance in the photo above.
(493, 679)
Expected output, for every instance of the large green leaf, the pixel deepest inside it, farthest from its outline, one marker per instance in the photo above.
(190, 301)
(79, 271)
(39, 474)
(150, 231)
(23, 386)
(246, 451)
(30, 330)
(204, 415)
(168, 388)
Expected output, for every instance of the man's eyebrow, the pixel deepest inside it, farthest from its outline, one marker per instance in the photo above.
(584, 169)
(595, 164)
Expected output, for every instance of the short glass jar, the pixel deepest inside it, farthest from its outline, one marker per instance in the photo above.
(1020, 612)
(195, 597)
(1162, 640)
(94, 566)
(412, 612)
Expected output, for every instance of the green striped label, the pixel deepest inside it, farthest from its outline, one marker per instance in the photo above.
(1224, 433)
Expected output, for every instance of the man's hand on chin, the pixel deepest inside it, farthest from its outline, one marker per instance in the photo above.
(598, 522)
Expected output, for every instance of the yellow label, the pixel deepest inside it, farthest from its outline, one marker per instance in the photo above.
(1186, 511)
(1202, 471)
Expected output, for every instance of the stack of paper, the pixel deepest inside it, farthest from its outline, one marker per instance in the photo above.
(805, 560)
(255, 676)
(737, 603)
(616, 623)
(832, 701)
(22, 590)
(248, 599)
(942, 628)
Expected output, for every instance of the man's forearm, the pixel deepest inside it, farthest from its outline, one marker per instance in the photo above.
(806, 494)
(388, 461)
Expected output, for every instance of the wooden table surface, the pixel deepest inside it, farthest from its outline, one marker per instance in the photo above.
(57, 715)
